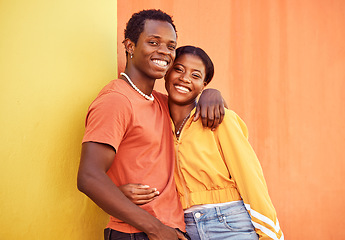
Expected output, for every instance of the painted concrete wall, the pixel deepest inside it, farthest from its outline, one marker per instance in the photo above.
(54, 58)
(281, 66)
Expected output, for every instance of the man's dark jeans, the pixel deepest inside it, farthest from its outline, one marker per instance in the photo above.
(110, 234)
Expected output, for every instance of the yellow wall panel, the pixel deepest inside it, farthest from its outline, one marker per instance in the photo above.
(54, 58)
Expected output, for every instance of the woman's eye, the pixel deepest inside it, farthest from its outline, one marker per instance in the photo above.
(177, 69)
(196, 76)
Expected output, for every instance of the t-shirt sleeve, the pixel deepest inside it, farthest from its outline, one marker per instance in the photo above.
(107, 119)
(162, 98)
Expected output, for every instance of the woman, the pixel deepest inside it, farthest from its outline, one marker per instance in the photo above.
(218, 176)
(128, 137)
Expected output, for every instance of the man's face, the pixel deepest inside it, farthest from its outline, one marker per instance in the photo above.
(154, 52)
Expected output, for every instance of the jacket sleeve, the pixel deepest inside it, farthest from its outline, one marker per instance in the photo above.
(245, 169)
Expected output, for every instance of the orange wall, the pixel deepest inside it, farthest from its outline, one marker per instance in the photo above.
(281, 67)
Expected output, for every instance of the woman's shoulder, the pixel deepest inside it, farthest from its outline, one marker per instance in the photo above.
(232, 119)
(231, 115)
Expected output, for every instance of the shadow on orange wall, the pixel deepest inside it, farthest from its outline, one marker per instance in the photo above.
(281, 67)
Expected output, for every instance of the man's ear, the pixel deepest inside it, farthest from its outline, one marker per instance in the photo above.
(165, 76)
(129, 46)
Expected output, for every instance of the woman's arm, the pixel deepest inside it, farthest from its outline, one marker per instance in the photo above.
(245, 169)
(139, 194)
(96, 159)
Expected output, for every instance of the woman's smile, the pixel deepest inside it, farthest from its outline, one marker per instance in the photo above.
(182, 89)
(185, 79)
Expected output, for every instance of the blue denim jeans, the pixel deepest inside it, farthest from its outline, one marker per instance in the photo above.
(230, 221)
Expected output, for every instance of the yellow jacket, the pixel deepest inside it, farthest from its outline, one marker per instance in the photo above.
(221, 166)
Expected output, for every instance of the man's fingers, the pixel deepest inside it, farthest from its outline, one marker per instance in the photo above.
(210, 116)
(222, 113)
(225, 104)
(204, 120)
(216, 121)
(197, 113)
(219, 114)
(180, 235)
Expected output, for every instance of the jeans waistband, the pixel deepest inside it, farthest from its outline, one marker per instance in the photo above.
(215, 212)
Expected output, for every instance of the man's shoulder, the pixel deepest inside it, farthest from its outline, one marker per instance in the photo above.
(114, 86)
(111, 99)
(113, 91)
(162, 100)
(160, 95)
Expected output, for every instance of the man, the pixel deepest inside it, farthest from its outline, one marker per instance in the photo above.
(128, 137)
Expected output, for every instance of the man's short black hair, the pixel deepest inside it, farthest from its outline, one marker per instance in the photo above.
(136, 23)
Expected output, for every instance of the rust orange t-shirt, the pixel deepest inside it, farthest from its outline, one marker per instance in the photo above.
(140, 132)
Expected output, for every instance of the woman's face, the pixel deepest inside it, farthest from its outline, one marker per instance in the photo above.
(185, 80)
(154, 52)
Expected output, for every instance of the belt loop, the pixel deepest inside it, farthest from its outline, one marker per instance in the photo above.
(219, 214)
(107, 233)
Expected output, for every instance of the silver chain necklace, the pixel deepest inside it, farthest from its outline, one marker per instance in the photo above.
(180, 128)
(151, 98)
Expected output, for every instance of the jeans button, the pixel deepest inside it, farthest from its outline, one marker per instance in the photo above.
(197, 215)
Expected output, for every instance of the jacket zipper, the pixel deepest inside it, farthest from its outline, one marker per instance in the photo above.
(182, 180)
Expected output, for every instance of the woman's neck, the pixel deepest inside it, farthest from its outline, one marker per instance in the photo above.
(179, 112)
(144, 83)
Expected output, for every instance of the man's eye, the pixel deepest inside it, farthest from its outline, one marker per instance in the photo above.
(153, 43)
(178, 69)
(196, 76)
(172, 47)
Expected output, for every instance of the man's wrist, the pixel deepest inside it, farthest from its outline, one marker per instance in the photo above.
(152, 227)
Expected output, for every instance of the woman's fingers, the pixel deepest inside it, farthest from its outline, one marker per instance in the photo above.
(139, 193)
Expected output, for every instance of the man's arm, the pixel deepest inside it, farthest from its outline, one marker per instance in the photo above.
(210, 108)
(96, 159)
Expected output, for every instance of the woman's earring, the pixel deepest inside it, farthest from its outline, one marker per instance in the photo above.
(131, 55)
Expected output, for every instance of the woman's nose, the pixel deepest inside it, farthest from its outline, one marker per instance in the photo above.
(184, 78)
